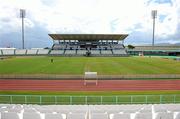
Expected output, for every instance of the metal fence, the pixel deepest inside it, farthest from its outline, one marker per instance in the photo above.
(84, 100)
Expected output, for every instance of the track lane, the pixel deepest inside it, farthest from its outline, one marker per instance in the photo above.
(77, 85)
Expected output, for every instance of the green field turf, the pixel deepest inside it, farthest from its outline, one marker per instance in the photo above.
(78, 65)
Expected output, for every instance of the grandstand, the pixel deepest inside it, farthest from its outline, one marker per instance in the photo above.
(77, 45)
(88, 44)
(155, 50)
(7, 51)
(42, 51)
(23, 52)
(20, 51)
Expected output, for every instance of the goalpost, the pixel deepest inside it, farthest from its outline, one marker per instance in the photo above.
(90, 77)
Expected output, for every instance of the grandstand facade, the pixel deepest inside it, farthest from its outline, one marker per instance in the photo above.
(88, 44)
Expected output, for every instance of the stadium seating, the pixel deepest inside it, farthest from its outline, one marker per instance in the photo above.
(81, 52)
(12, 111)
(117, 46)
(9, 115)
(32, 51)
(8, 51)
(76, 116)
(143, 116)
(99, 116)
(164, 115)
(59, 47)
(106, 52)
(166, 108)
(121, 116)
(95, 52)
(20, 51)
(31, 115)
(119, 52)
(70, 47)
(43, 51)
(177, 116)
(70, 52)
(107, 47)
(57, 52)
(53, 116)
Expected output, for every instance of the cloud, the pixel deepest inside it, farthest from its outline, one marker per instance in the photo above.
(92, 16)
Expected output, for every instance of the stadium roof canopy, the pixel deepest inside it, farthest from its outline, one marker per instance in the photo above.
(88, 36)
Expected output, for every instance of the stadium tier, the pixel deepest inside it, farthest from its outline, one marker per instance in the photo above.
(32, 52)
(161, 111)
(88, 44)
(8, 51)
(20, 51)
(43, 52)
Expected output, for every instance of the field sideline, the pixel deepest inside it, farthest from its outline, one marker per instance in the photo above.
(78, 65)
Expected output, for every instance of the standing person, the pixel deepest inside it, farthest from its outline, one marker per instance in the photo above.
(52, 60)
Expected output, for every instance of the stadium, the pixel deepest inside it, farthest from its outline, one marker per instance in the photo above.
(89, 76)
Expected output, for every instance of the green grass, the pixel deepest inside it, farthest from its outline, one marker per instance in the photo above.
(91, 93)
(115, 97)
(78, 65)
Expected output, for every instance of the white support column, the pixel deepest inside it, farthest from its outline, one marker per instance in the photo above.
(174, 98)
(25, 98)
(131, 99)
(40, 100)
(160, 99)
(116, 99)
(11, 99)
(55, 98)
(70, 100)
(86, 100)
(101, 99)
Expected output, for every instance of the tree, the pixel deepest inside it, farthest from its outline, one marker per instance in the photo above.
(131, 47)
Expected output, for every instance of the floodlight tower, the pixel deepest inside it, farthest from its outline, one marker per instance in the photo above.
(22, 15)
(154, 16)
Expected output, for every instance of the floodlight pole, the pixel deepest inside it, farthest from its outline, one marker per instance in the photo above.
(22, 15)
(154, 15)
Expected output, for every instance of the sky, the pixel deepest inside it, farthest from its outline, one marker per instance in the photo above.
(131, 17)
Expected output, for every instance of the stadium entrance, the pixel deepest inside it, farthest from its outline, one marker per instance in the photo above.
(88, 44)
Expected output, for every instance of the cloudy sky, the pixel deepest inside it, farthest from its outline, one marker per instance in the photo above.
(88, 16)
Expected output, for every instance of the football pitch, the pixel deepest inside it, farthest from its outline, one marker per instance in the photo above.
(78, 65)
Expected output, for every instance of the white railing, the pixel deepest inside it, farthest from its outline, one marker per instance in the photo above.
(70, 100)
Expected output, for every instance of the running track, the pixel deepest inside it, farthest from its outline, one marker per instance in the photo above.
(77, 85)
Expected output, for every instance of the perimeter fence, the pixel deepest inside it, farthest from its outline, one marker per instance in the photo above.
(85, 100)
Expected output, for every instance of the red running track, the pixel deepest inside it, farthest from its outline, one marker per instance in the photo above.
(77, 85)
